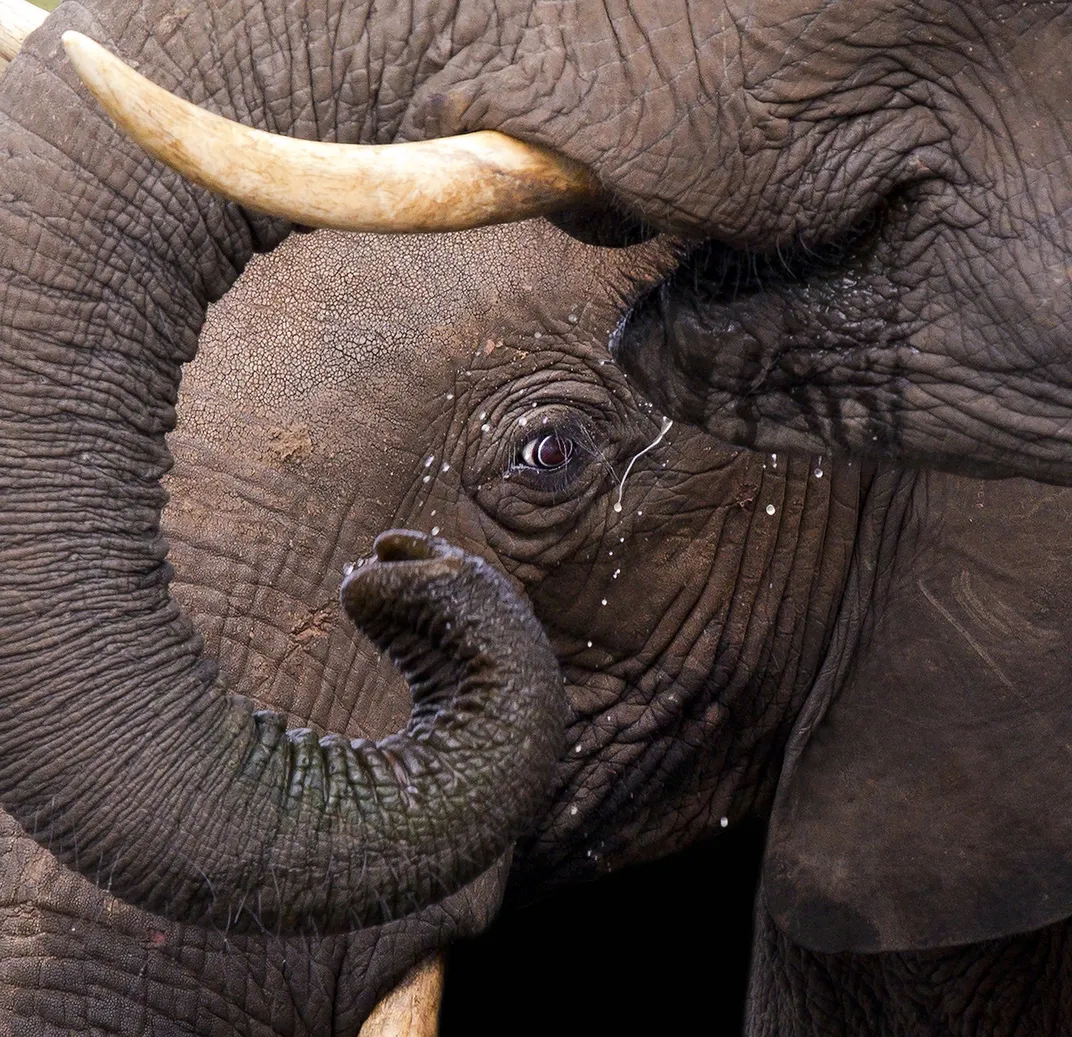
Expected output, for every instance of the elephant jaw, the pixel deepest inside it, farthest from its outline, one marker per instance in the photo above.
(455, 183)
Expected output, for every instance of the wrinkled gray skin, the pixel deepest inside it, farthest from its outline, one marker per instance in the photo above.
(348, 385)
(879, 661)
(305, 426)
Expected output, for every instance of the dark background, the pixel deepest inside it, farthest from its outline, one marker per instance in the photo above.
(640, 952)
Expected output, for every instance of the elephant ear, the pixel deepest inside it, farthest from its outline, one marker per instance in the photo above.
(926, 799)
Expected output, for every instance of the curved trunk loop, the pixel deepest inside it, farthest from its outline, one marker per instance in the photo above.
(117, 752)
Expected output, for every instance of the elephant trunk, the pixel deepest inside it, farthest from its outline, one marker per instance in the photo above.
(116, 751)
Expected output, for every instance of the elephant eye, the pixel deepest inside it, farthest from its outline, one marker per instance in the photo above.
(547, 451)
(550, 455)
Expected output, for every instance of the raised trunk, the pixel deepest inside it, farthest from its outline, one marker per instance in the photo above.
(116, 751)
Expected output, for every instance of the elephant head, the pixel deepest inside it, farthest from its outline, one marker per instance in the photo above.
(743, 676)
(458, 387)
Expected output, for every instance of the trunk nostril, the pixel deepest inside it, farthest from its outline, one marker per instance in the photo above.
(403, 545)
(408, 545)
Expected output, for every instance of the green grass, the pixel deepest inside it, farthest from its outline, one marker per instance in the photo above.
(48, 5)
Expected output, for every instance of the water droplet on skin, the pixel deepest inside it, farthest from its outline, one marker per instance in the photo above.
(589, 644)
(538, 334)
(523, 421)
(450, 396)
(572, 318)
(640, 513)
(435, 531)
(573, 811)
(771, 509)
(483, 415)
(603, 602)
(349, 568)
(445, 468)
(427, 478)
(577, 747)
(616, 572)
(433, 513)
(485, 427)
(818, 473)
(724, 821)
(618, 508)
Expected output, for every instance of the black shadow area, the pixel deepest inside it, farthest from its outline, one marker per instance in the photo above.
(649, 950)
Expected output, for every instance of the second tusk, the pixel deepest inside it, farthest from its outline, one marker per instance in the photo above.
(17, 20)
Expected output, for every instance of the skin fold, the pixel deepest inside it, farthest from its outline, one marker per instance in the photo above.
(874, 193)
(297, 441)
(751, 655)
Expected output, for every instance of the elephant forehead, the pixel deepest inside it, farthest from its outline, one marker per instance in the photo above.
(335, 337)
(327, 308)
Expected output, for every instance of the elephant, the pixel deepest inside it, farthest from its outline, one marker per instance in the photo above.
(265, 435)
(836, 643)
(258, 536)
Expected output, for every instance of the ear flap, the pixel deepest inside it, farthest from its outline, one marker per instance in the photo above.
(931, 804)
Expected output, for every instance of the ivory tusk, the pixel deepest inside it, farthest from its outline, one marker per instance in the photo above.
(412, 1008)
(439, 185)
(17, 20)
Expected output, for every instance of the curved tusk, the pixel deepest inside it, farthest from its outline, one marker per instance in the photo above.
(439, 185)
(412, 1008)
(17, 20)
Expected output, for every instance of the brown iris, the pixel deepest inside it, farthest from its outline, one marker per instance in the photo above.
(547, 452)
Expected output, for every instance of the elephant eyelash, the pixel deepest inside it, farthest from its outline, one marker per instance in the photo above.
(664, 427)
(556, 480)
(723, 272)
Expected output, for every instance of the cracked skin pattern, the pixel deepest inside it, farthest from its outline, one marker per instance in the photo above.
(680, 706)
(321, 333)
(963, 192)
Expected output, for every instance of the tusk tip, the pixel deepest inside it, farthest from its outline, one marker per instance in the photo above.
(89, 59)
(72, 40)
(80, 48)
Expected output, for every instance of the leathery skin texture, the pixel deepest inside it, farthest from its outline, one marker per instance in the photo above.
(903, 276)
(304, 452)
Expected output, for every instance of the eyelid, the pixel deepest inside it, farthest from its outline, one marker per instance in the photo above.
(563, 421)
(535, 441)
